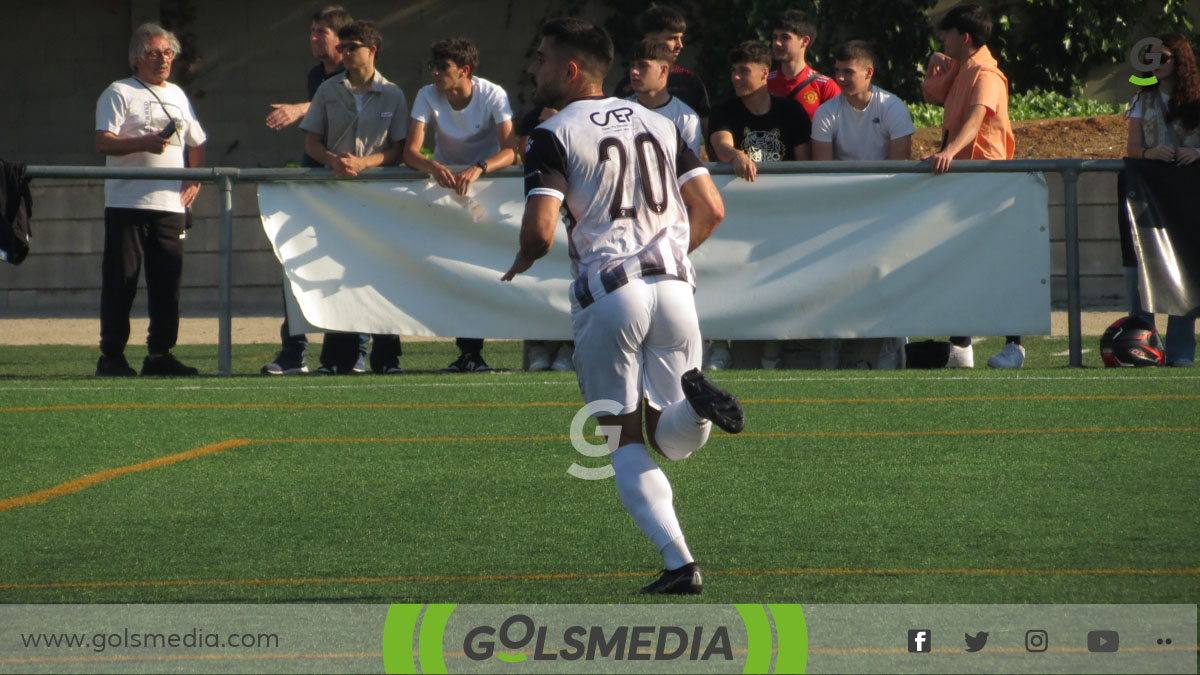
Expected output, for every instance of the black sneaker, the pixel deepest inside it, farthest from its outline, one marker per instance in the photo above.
(686, 580)
(114, 366)
(712, 402)
(468, 363)
(166, 365)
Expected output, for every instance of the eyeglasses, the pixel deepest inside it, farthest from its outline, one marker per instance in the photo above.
(347, 47)
(441, 65)
(155, 55)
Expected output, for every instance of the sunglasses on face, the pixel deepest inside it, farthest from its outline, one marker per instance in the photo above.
(347, 47)
(441, 66)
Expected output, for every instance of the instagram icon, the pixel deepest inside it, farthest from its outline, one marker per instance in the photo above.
(1036, 641)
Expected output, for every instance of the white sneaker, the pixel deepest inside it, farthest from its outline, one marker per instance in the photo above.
(563, 360)
(1012, 356)
(961, 357)
(718, 357)
(539, 358)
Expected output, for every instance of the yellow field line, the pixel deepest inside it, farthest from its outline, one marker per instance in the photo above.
(597, 575)
(108, 474)
(93, 478)
(576, 404)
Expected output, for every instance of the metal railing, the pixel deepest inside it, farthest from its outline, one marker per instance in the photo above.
(225, 177)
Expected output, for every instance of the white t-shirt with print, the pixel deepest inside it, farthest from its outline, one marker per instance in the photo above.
(862, 134)
(127, 108)
(466, 136)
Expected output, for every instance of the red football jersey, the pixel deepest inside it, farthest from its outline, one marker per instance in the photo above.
(813, 94)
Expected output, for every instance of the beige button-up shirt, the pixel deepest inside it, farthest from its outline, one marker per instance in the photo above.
(335, 115)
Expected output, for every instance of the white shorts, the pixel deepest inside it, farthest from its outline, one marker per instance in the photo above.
(636, 342)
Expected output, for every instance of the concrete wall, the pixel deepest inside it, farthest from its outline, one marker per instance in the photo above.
(247, 55)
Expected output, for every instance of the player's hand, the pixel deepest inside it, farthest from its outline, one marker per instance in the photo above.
(443, 176)
(1185, 156)
(347, 165)
(520, 264)
(154, 143)
(464, 179)
(1161, 153)
(188, 192)
(282, 115)
(744, 167)
(939, 162)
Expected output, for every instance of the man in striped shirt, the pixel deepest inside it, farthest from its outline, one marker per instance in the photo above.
(637, 200)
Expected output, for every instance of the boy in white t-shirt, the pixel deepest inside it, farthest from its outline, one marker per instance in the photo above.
(472, 122)
(864, 122)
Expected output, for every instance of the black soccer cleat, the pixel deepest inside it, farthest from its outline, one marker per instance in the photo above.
(686, 580)
(713, 403)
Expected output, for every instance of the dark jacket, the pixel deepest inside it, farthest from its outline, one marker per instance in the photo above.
(16, 208)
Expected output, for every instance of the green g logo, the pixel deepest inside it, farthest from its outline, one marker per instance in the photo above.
(1145, 61)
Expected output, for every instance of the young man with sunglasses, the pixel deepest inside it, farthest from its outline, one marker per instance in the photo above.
(357, 120)
(145, 121)
(472, 128)
(292, 358)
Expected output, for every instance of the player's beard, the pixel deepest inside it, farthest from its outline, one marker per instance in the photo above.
(548, 95)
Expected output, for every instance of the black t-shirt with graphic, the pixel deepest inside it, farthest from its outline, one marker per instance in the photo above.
(772, 137)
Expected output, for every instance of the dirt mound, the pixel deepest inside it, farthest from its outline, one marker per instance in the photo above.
(1100, 137)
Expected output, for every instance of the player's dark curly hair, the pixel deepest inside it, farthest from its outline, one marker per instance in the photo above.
(1184, 104)
(459, 50)
(795, 22)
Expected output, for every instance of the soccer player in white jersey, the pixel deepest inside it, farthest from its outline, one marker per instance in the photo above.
(637, 201)
(649, 66)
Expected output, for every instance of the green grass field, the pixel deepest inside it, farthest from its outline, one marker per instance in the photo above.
(1044, 485)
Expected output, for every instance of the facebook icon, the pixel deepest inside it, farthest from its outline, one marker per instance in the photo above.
(920, 640)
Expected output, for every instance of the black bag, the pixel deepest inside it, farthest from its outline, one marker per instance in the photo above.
(927, 354)
(16, 208)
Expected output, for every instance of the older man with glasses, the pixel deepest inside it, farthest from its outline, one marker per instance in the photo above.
(357, 120)
(145, 121)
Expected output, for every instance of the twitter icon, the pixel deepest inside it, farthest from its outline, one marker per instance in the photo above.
(977, 642)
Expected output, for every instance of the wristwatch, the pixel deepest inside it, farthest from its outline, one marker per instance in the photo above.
(482, 164)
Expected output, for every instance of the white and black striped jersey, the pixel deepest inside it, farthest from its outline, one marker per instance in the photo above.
(617, 168)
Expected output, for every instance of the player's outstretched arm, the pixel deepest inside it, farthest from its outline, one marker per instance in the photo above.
(705, 208)
(537, 232)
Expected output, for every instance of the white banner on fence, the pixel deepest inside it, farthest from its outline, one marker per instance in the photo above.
(797, 257)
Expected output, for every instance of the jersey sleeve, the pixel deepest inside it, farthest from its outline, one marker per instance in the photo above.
(545, 166)
(687, 164)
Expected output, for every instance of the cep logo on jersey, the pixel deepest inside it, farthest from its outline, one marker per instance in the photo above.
(621, 115)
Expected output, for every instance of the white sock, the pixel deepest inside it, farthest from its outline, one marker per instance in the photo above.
(681, 431)
(647, 496)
